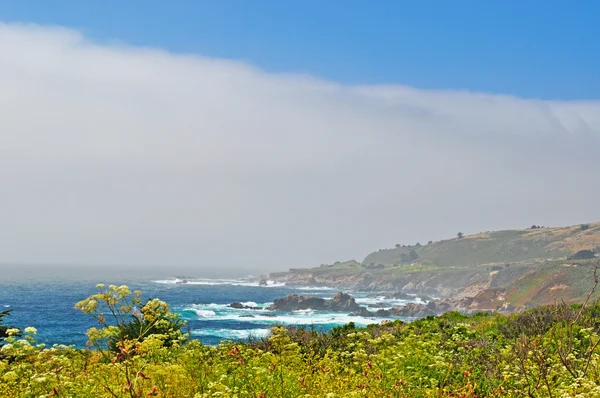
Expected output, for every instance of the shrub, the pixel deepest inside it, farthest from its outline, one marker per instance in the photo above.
(408, 257)
(128, 319)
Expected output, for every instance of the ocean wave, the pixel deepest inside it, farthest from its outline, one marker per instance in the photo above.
(232, 334)
(381, 302)
(370, 300)
(217, 311)
(217, 282)
(249, 304)
(316, 319)
(205, 313)
(307, 311)
(315, 288)
(300, 318)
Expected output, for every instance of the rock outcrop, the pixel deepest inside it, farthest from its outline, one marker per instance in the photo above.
(411, 310)
(365, 313)
(343, 302)
(241, 306)
(294, 302)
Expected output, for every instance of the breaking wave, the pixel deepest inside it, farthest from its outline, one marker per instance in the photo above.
(232, 334)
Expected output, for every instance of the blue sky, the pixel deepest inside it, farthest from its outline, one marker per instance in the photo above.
(533, 49)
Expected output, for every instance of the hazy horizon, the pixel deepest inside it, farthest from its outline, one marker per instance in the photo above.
(122, 154)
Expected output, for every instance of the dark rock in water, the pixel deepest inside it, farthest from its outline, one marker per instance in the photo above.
(262, 282)
(241, 306)
(295, 302)
(410, 310)
(343, 302)
(182, 279)
(269, 315)
(382, 313)
(378, 305)
(365, 313)
(399, 296)
(247, 316)
(406, 296)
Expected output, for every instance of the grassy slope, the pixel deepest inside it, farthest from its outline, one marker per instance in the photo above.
(477, 264)
(498, 247)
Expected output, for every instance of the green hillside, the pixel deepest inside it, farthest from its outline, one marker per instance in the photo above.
(496, 247)
(485, 271)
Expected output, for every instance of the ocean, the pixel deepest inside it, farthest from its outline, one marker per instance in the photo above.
(48, 304)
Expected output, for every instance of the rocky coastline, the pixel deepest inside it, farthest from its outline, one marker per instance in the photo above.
(344, 302)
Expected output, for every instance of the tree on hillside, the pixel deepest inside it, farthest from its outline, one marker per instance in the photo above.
(408, 257)
(460, 235)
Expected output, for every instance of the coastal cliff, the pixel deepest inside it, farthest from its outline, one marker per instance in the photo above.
(493, 271)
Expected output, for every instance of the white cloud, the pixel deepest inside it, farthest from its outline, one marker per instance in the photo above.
(116, 154)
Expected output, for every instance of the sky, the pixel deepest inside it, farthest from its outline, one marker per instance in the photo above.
(229, 138)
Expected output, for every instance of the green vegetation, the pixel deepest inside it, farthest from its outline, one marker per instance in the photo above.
(498, 247)
(115, 308)
(480, 269)
(545, 352)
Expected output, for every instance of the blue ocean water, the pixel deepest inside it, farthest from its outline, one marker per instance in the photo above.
(48, 305)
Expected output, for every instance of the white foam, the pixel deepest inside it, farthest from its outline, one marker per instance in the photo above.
(231, 334)
(216, 282)
(205, 313)
(301, 317)
(387, 303)
(371, 300)
(316, 319)
(168, 281)
(271, 283)
(249, 304)
(315, 288)
(307, 311)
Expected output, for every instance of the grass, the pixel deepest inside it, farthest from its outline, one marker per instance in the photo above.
(447, 267)
(498, 247)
